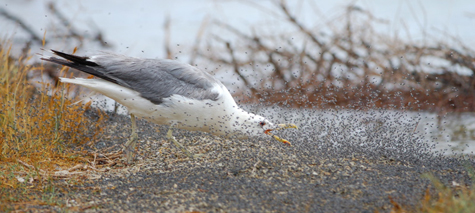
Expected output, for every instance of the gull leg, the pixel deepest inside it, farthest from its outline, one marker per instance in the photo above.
(132, 142)
(178, 145)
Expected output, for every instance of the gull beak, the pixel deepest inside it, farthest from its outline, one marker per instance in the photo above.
(279, 127)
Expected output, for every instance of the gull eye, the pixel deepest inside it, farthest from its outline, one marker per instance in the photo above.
(262, 123)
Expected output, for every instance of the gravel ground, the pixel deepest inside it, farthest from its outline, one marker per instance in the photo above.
(337, 172)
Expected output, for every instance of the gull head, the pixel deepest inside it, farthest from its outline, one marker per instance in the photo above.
(257, 126)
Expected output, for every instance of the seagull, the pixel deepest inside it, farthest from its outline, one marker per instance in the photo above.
(167, 92)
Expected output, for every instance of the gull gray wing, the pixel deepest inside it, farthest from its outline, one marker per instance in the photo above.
(154, 79)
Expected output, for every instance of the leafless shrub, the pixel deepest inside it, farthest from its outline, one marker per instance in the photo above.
(353, 66)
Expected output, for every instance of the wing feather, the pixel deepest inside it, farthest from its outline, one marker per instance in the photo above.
(154, 79)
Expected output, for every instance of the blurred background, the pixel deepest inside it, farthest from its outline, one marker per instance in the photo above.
(415, 57)
(141, 28)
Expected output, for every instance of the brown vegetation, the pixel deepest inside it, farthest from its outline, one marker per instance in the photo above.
(352, 67)
(42, 135)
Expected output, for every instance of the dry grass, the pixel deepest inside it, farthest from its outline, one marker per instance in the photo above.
(41, 135)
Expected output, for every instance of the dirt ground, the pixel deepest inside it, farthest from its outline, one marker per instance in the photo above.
(262, 175)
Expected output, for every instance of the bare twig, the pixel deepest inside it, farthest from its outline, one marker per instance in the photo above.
(166, 28)
(65, 22)
(200, 34)
(22, 24)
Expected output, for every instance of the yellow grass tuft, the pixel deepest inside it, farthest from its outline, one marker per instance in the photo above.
(41, 131)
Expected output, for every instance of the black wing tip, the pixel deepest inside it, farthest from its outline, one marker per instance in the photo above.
(83, 60)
